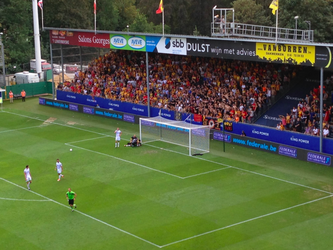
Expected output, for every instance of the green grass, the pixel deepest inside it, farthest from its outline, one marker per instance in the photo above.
(150, 197)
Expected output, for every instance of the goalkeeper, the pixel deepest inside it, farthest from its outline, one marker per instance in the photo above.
(134, 142)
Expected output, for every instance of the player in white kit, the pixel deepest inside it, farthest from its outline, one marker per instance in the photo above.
(27, 176)
(118, 134)
(59, 169)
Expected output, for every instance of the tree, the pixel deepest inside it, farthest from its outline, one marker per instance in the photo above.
(320, 16)
(107, 15)
(249, 12)
(17, 32)
(127, 13)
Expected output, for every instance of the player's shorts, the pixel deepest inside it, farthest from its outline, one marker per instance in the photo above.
(71, 202)
(59, 171)
(28, 178)
(117, 138)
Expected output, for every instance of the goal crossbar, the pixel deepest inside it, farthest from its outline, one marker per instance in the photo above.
(194, 137)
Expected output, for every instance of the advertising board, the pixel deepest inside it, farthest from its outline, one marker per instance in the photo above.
(126, 42)
(261, 52)
(246, 141)
(84, 39)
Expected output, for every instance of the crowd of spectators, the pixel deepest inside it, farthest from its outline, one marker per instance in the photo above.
(305, 117)
(233, 90)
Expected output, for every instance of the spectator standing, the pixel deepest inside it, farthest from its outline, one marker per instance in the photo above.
(11, 96)
(23, 94)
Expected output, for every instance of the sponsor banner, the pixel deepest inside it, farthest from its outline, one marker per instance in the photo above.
(84, 39)
(41, 101)
(255, 143)
(286, 53)
(129, 118)
(287, 138)
(261, 52)
(287, 151)
(88, 110)
(166, 45)
(73, 107)
(102, 103)
(199, 132)
(164, 126)
(109, 114)
(57, 104)
(221, 49)
(319, 158)
(119, 106)
(221, 137)
(127, 42)
(148, 123)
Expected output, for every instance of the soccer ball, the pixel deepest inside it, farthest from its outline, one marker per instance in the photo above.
(71, 150)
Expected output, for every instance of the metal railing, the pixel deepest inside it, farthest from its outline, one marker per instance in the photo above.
(241, 30)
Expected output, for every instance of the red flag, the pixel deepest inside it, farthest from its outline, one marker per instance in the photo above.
(197, 118)
(40, 4)
(95, 7)
(160, 8)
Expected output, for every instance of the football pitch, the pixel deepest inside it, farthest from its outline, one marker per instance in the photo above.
(150, 197)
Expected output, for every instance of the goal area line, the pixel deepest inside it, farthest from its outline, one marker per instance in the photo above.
(177, 144)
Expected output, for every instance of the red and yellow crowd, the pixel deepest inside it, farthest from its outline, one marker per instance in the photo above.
(233, 90)
(305, 118)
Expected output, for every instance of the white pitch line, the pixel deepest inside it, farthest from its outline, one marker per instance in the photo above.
(131, 162)
(208, 172)
(12, 199)
(245, 221)
(13, 130)
(90, 139)
(84, 214)
(249, 171)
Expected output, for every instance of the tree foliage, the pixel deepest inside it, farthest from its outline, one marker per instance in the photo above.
(181, 17)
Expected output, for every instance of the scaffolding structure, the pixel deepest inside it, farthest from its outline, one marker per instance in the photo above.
(223, 25)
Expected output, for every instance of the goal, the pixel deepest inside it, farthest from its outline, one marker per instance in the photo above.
(193, 138)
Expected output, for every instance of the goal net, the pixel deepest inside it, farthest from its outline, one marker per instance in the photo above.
(193, 138)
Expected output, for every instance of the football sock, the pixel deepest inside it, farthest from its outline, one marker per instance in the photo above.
(115, 145)
(60, 176)
(118, 144)
(28, 184)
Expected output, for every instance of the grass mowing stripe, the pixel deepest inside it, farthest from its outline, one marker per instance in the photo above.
(12, 199)
(69, 126)
(245, 221)
(95, 138)
(86, 215)
(11, 130)
(241, 169)
(245, 170)
(131, 162)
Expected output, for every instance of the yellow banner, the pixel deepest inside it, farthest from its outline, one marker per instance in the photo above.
(286, 53)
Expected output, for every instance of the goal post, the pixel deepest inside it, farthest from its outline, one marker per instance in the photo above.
(194, 138)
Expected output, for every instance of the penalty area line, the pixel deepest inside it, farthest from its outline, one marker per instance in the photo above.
(84, 214)
(120, 159)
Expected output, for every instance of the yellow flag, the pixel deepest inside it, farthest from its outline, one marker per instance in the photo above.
(274, 6)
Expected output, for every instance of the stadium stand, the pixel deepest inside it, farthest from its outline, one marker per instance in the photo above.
(233, 90)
